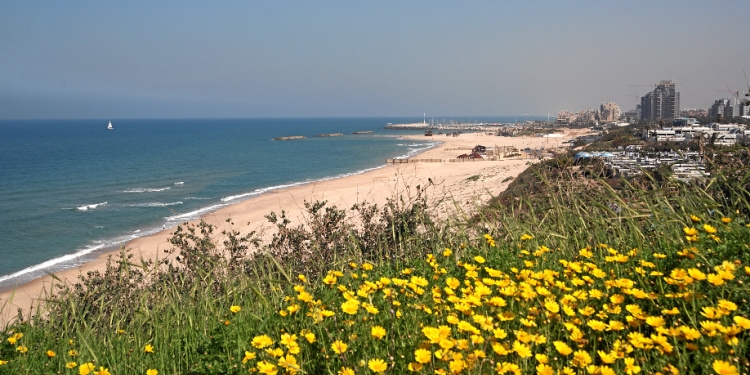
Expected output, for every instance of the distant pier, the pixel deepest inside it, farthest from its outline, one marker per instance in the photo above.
(293, 137)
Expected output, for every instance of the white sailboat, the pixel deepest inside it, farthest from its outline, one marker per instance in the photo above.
(109, 126)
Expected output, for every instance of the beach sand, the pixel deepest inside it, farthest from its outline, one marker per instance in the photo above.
(459, 186)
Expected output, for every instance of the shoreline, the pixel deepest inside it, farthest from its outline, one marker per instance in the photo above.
(456, 181)
(80, 257)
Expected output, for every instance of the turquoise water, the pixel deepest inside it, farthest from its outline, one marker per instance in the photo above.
(72, 188)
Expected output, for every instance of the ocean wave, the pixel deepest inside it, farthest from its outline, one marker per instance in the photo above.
(155, 204)
(417, 148)
(146, 190)
(195, 198)
(68, 261)
(90, 206)
(193, 214)
(179, 183)
(261, 191)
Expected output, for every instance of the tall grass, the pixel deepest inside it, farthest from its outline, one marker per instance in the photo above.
(511, 286)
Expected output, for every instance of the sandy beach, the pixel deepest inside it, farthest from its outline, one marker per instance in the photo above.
(459, 185)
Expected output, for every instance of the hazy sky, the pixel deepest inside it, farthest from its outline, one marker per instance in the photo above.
(153, 59)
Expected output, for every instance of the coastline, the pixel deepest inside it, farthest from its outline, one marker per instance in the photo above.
(455, 182)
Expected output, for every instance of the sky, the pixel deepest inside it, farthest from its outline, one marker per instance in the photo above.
(242, 59)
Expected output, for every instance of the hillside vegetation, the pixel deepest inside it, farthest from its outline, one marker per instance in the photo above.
(565, 272)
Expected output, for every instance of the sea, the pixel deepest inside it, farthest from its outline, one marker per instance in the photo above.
(72, 189)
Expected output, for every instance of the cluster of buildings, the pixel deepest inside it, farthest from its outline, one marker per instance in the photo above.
(729, 108)
(685, 166)
(687, 129)
(661, 104)
(607, 112)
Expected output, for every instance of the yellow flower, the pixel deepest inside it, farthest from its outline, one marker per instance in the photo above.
(726, 220)
(350, 307)
(289, 362)
(709, 229)
(479, 259)
(249, 356)
(330, 279)
(690, 231)
(727, 305)
(86, 368)
(457, 365)
(310, 337)
(73, 353)
(235, 309)
(267, 368)
(377, 365)
(423, 356)
(419, 281)
(506, 367)
(522, 350)
(447, 252)
(71, 365)
(562, 348)
(715, 279)
(339, 347)
(148, 348)
(261, 341)
(22, 348)
(742, 322)
(597, 325)
(377, 332)
(345, 371)
(608, 358)
(302, 278)
(2, 362)
(695, 219)
(630, 367)
(655, 321)
(275, 352)
(581, 359)
(102, 371)
(152, 371)
(50, 353)
(552, 307)
(690, 333)
(526, 237)
(724, 368)
(13, 339)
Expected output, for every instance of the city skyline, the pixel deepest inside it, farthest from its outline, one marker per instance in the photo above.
(338, 59)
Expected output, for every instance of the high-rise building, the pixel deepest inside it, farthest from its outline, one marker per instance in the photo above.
(727, 108)
(661, 104)
(609, 112)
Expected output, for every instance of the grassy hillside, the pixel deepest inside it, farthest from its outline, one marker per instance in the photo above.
(565, 272)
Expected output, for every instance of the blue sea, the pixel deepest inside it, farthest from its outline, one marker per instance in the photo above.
(71, 189)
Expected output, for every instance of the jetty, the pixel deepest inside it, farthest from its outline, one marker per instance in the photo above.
(364, 132)
(289, 138)
(331, 135)
(413, 126)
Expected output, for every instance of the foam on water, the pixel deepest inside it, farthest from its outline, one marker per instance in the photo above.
(75, 259)
(90, 206)
(155, 204)
(146, 190)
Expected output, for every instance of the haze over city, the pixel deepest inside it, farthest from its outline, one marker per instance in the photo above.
(388, 58)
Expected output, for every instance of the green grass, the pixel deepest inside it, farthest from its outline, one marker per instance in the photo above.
(563, 262)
